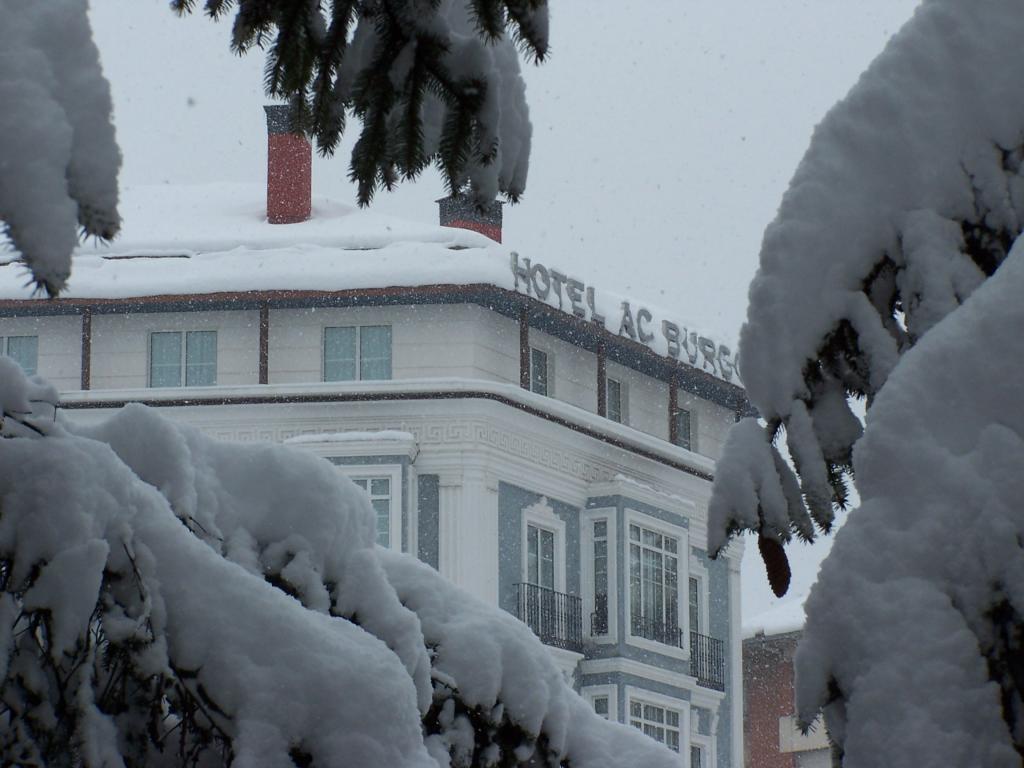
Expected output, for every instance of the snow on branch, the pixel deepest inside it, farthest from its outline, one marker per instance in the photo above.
(909, 197)
(166, 598)
(912, 642)
(431, 81)
(58, 156)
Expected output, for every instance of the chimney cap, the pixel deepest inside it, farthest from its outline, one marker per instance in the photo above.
(463, 206)
(279, 118)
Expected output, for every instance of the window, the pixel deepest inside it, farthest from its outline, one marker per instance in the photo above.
(24, 350)
(538, 371)
(599, 622)
(379, 491)
(540, 557)
(653, 585)
(681, 419)
(172, 353)
(357, 353)
(613, 400)
(695, 623)
(696, 756)
(660, 723)
(601, 706)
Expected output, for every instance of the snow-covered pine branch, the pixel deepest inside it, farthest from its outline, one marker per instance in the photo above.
(166, 598)
(431, 81)
(58, 156)
(893, 273)
(908, 198)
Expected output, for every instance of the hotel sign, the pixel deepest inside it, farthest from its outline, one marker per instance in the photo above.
(639, 324)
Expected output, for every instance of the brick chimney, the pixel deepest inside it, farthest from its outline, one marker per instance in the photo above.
(460, 211)
(289, 169)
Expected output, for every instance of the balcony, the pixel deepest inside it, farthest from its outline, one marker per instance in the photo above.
(659, 632)
(707, 661)
(556, 618)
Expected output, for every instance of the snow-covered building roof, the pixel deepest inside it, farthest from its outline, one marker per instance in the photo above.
(211, 246)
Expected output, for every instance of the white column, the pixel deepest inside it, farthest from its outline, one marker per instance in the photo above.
(468, 535)
(449, 518)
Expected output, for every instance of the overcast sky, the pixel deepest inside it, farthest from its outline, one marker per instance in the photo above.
(665, 132)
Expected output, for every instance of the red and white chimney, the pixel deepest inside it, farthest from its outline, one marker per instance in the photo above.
(460, 211)
(289, 169)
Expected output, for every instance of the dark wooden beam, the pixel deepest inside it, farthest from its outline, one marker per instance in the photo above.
(86, 368)
(264, 342)
(673, 409)
(524, 348)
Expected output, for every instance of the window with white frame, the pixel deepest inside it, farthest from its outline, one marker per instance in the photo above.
(697, 758)
(379, 491)
(540, 556)
(24, 350)
(603, 699)
(614, 396)
(541, 602)
(182, 357)
(654, 585)
(357, 353)
(539, 370)
(660, 723)
(599, 622)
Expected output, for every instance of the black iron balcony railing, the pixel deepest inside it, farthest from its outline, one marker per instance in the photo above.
(658, 631)
(556, 618)
(707, 661)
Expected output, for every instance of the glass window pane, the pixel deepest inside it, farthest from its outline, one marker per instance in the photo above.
(383, 509)
(165, 359)
(361, 482)
(24, 350)
(672, 718)
(601, 705)
(380, 486)
(670, 544)
(200, 358)
(600, 529)
(634, 709)
(614, 400)
(547, 557)
(339, 354)
(538, 372)
(695, 757)
(532, 555)
(694, 605)
(634, 533)
(683, 429)
(375, 352)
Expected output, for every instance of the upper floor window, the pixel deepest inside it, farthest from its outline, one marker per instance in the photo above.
(613, 400)
(660, 723)
(653, 586)
(681, 429)
(357, 353)
(696, 756)
(24, 350)
(601, 706)
(183, 357)
(539, 371)
(379, 491)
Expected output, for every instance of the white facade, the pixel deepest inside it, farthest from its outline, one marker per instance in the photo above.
(594, 532)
